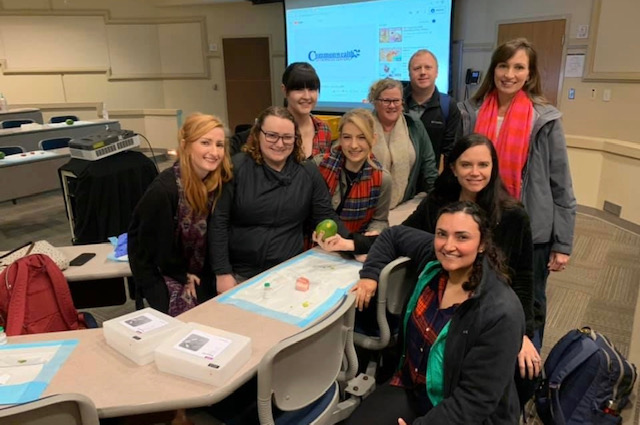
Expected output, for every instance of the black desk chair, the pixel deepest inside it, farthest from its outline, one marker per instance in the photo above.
(11, 150)
(56, 143)
(15, 123)
(63, 118)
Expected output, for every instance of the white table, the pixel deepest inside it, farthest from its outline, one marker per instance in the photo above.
(29, 138)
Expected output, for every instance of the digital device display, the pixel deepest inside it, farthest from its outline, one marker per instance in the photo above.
(351, 44)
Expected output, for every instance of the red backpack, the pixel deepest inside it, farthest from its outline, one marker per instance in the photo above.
(35, 298)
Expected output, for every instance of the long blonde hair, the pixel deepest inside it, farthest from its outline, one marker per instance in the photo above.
(197, 191)
(364, 121)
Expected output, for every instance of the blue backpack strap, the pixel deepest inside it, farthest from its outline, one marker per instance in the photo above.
(445, 103)
(588, 347)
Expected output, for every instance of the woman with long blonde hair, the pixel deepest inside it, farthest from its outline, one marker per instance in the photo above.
(168, 231)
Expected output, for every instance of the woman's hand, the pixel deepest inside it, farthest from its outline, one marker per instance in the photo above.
(401, 421)
(365, 289)
(529, 359)
(224, 282)
(190, 286)
(557, 261)
(333, 243)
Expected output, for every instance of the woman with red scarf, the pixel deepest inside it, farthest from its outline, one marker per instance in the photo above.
(510, 109)
(360, 188)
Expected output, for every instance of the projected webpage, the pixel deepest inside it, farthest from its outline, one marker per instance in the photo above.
(352, 45)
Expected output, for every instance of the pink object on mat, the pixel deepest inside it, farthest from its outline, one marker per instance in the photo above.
(302, 284)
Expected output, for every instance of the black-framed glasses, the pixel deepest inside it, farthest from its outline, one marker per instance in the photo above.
(389, 102)
(271, 137)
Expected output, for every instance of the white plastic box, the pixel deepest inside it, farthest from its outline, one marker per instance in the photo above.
(203, 353)
(136, 335)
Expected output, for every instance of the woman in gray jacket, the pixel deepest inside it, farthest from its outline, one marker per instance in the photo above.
(510, 109)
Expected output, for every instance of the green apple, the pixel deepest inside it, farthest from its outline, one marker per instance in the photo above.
(328, 227)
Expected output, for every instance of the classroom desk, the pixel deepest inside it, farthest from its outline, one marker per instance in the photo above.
(99, 267)
(22, 114)
(119, 387)
(37, 173)
(29, 139)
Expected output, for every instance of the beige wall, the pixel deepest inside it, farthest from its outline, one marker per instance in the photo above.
(598, 175)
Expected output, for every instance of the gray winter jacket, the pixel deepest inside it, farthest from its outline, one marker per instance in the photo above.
(547, 190)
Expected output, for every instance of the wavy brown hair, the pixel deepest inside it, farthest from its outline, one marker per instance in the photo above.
(252, 147)
(504, 52)
(197, 191)
(493, 255)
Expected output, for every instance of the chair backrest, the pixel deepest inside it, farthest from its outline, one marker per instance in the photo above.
(15, 123)
(60, 142)
(11, 150)
(62, 118)
(301, 369)
(395, 283)
(60, 409)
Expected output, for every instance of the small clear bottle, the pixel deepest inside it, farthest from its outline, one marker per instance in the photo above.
(4, 106)
(3, 336)
(267, 291)
(105, 113)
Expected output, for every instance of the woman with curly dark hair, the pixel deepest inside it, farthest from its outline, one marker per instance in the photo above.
(461, 330)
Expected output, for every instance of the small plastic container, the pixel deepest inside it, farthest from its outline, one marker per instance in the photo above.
(136, 335)
(3, 336)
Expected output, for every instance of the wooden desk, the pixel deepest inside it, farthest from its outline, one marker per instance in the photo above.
(29, 139)
(118, 387)
(22, 114)
(37, 173)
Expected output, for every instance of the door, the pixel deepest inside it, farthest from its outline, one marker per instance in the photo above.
(247, 72)
(548, 39)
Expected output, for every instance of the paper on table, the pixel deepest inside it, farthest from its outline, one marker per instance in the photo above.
(27, 369)
(330, 278)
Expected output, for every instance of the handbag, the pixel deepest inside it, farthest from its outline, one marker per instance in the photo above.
(37, 247)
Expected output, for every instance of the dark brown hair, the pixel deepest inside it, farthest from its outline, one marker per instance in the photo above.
(503, 53)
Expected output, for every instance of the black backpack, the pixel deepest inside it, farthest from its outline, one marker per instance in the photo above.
(586, 381)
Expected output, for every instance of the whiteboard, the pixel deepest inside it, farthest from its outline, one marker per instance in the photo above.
(54, 42)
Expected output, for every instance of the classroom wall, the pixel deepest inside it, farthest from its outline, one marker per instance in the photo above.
(598, 173)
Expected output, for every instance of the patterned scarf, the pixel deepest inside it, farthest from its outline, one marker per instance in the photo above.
(397, 155)
(362, 199)
(512, 143)
(190, 235)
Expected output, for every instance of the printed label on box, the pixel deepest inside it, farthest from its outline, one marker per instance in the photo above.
(143, 323)
(203, 345)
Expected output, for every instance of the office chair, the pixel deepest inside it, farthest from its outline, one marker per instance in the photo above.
(298, 380)
(62, 118)
(60, 142)
(242, 127)
(11, 150)
(397, 280)
(59, 409)
(14, 123)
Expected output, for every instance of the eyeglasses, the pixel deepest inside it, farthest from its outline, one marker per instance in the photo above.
(389, 102)
(271, 137)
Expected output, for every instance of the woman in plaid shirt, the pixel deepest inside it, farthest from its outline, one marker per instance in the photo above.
(461, 330)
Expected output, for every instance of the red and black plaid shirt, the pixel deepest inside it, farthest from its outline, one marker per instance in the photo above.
(423, 327)
(322, 138)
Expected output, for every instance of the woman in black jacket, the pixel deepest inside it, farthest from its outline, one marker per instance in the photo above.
(472, 174)
(260, 219)
(167, 240)
(461, 330)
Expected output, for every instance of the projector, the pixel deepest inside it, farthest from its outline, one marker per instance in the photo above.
(100, 145)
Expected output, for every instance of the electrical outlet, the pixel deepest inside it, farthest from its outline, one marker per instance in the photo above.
(606, 95)
(594, 93)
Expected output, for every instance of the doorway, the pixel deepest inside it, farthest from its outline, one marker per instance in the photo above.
(247, 75)
(548, 40)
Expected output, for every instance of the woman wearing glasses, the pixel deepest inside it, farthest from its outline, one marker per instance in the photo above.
(258, 222)
(403, 146)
